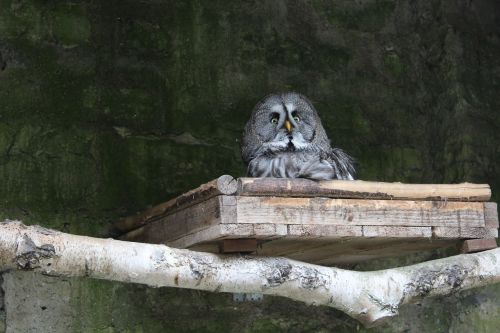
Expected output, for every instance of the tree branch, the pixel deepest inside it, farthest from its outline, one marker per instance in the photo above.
(370, 297)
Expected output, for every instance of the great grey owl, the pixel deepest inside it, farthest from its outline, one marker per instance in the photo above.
(284, 138)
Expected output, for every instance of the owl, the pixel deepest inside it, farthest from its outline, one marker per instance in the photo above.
(284, 138)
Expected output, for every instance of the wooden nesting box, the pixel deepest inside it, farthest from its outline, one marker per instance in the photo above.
(322, 222)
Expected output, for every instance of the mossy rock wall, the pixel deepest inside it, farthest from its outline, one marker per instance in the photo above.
(108, 107)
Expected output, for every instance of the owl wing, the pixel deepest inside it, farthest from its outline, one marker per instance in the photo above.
(341, 162)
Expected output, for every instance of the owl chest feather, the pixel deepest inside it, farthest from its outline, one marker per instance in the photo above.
(291, 165)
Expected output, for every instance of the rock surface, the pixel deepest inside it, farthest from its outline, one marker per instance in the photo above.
(109, 107)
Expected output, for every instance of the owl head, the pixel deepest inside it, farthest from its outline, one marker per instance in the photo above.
(283, 122)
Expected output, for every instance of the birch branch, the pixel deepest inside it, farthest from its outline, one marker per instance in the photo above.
(370, 297)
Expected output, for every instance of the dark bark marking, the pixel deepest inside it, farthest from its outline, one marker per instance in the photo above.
(279, 273)
(426, 279)
(311, 279)
(28, 255)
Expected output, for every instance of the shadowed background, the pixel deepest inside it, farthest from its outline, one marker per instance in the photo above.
(108, 107)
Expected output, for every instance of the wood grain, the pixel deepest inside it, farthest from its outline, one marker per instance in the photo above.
(302, 231)
(301, 187)
(179, 223)
(491, 215)
(358, 212)
(349, 250)
(464, 232)
(476, 245)
(222, 231)
(396, 232)
(223, 185)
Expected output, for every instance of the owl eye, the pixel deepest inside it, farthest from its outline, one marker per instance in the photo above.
(274, 120)
(296, 118)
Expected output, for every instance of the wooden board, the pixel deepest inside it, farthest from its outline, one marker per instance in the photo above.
(358, 212)
(229, 230)
(491, 215)
(347, 251)
(179, 223)
(301, 187)
(223, 185)
(363, 220)
(476, 245)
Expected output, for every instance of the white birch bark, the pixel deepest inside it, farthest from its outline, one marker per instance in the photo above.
(370, 297)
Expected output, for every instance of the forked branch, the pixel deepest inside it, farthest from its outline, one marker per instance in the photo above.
(370, 297)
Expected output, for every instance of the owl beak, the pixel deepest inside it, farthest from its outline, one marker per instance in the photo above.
(288, 126)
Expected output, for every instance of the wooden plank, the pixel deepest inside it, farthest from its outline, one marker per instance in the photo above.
(223, 185)
(269, 231)
(209, 234)
(180, 223)
(221, 231)
(358, 212)
(491, 215)
(363, 249)
(352, 246)
(397, 232)
(476, 245)
(326, 252)
(301, 231)
(464, 232)
(212, 247)
(284, 246)
(390, 250)
(136, 235)
(301, 187)
(241, 245)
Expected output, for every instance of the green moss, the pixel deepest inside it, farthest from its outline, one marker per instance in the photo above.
(265, 326)
(22, 18)
(70, 29)
(479, 313)
(369, 17)
(109, 107)
(90, 97)
(393, 64)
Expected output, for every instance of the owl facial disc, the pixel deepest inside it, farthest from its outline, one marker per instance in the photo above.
(288, 137)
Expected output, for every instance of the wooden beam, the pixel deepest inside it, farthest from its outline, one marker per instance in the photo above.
(476, 245)
(463, 232)
(222, 231)
(242, 245)
(350, 212)
(324, 231)
(396, 232)
(392, 248)
(178, 224)
(349, 250)
(223, 185)
(491, 215)
(301, 187)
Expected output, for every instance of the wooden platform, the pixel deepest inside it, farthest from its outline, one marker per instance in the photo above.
(327, 222)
